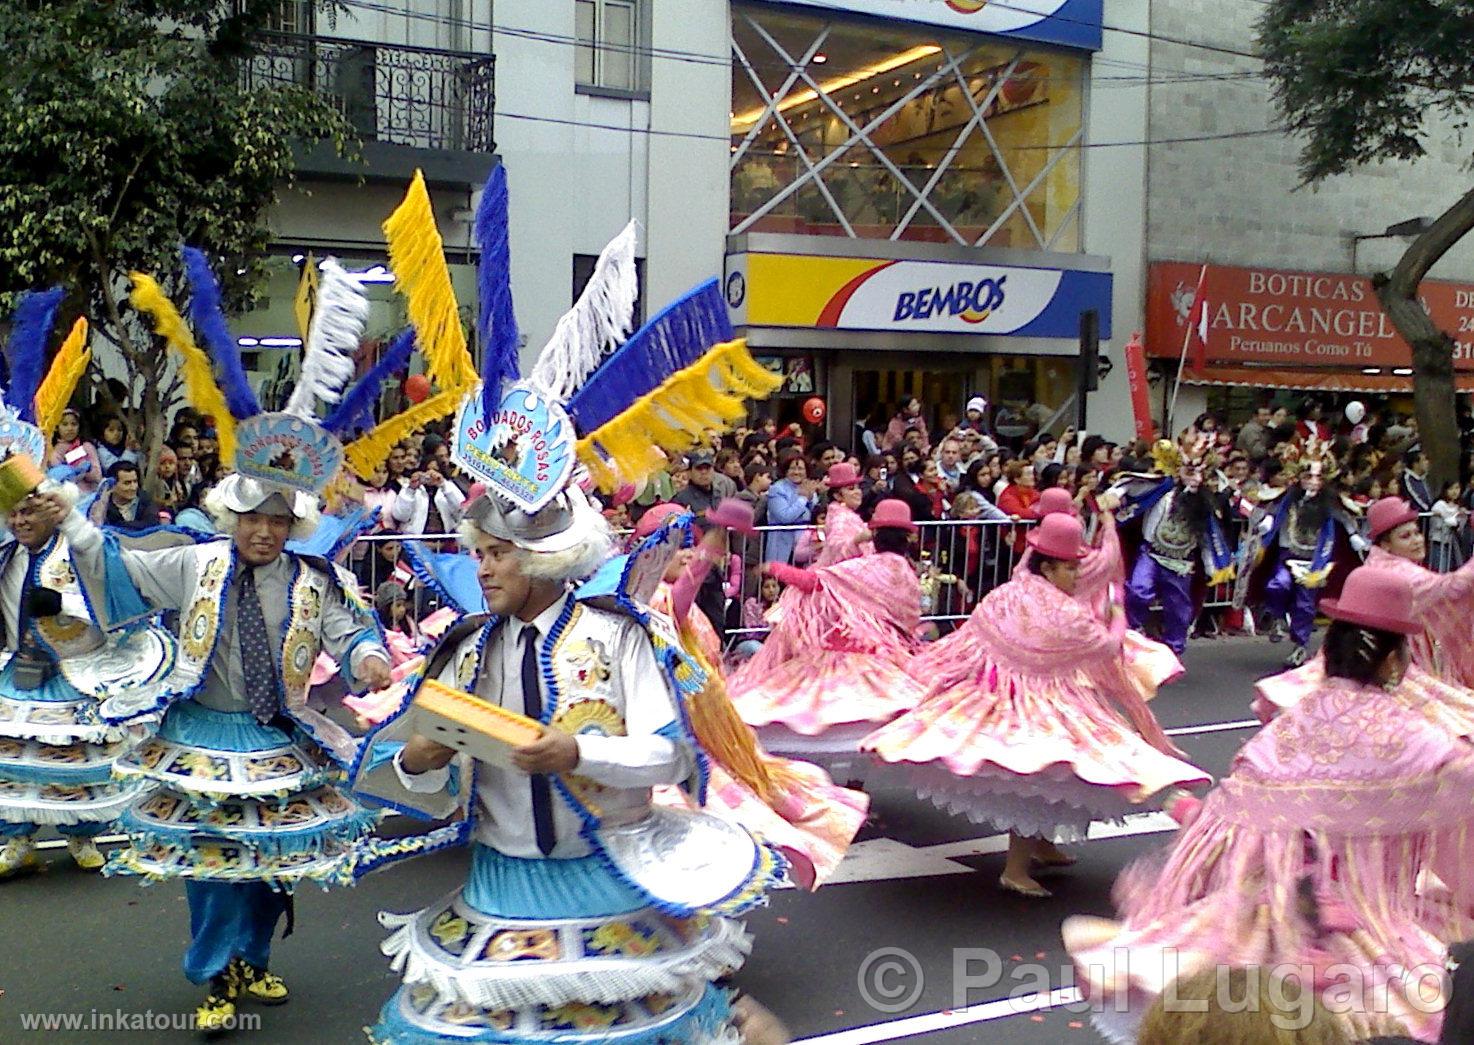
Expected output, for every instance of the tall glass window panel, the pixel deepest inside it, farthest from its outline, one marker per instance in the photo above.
(847, 128)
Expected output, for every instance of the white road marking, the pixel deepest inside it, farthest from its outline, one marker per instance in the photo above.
(1213, 727)
(928, 1023)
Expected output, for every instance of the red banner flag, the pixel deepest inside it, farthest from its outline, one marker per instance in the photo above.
(1141, 407)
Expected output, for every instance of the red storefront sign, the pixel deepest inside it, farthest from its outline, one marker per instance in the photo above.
(1303, 321)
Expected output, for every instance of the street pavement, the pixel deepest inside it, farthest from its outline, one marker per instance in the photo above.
(915, 942)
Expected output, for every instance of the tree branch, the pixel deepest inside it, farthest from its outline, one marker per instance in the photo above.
(1425, 251)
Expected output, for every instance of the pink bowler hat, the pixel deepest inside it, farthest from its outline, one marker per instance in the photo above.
(1387, 515)
(1055, 499)
(1058, 536)
(841, 475)
(892, 514)
(1375, 598)
(656, 516)
(734, 515)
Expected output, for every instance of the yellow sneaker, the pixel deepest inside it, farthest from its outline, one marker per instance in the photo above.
(84, 852)
(17, 855)
(260, 985)
(216, 1015)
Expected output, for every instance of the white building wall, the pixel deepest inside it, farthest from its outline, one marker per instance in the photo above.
(1114, 190)
(688, 154)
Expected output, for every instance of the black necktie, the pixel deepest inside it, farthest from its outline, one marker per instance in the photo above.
(27, 586)
(532, 701)
(257, 665)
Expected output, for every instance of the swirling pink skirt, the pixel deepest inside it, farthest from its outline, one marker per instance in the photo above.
(1038, 755)
(812, 693)
(813, 820)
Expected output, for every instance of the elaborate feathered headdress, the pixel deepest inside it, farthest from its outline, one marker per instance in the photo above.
(614, 406)
(1191, 450)
(417, 258)
(33, 403)
(1312, 456)
(287, 452)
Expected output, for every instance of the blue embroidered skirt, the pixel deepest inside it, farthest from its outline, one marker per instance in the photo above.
(235, 800)
(556, 951)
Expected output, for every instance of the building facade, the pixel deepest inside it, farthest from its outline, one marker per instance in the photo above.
(938, 147)
(1290, 306)
(914, 211)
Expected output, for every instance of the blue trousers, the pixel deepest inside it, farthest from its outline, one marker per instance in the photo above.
(1150, 581)
(1277, 600)
(87, 830)
(230, 920)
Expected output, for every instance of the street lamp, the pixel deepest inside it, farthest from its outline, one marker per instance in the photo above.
(1402, 229)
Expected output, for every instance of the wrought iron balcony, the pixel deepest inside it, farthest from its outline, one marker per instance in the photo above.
(421, 97)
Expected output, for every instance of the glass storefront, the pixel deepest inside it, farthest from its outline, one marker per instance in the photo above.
(843, 127)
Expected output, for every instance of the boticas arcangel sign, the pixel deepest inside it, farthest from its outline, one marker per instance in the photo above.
(1294, 319)
(933, 297)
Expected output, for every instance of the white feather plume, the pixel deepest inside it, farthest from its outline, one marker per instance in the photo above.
(338, 318)
(599, 320)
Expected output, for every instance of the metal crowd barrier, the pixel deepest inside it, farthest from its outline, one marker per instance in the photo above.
(960, 562)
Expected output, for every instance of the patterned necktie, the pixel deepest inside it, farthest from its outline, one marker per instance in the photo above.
(257, 665)
(532, 701)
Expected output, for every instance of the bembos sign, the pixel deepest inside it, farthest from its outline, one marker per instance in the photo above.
(1294, 319)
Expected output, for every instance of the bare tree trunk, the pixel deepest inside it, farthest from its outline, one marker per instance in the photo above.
(1432, 349)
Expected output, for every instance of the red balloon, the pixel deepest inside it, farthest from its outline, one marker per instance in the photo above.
(416, 388)
(814, 410)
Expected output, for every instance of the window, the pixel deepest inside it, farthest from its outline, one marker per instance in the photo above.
(613, 52)
(891, 131)
(291, 16)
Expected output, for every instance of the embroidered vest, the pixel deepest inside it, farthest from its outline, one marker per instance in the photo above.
(71, 632)
(200, 621)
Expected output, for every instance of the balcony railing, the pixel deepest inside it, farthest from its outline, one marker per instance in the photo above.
(422, 97)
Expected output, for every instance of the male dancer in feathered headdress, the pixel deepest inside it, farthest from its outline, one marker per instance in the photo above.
(1179, 528)
(1294, 533)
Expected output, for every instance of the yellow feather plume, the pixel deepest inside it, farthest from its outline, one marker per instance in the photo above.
(61, 380)
(199, 378)
(371, 449)
(417, 256)
(676, 416)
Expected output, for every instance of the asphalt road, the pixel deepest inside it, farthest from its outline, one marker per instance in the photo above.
(945, 956)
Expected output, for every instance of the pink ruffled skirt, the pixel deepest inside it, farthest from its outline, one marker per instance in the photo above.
(813, 693)
(813, 820)
(1039, 756)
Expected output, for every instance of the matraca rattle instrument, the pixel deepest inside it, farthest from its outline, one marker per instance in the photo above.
(485, 731)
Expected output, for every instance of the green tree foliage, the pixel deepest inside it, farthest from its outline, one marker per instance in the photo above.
(1366, 81)
(128, 130)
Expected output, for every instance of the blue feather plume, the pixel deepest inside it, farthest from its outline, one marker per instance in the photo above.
(680, 334)
(26, 354)
(355, 411)
(208, 318)
(498, 322)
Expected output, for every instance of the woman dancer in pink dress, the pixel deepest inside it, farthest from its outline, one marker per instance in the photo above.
(793, 805)
(1441, 650)
(1315, 853)
(1033, 724)
(845, 534)
(1149, 664)
(837, 663)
